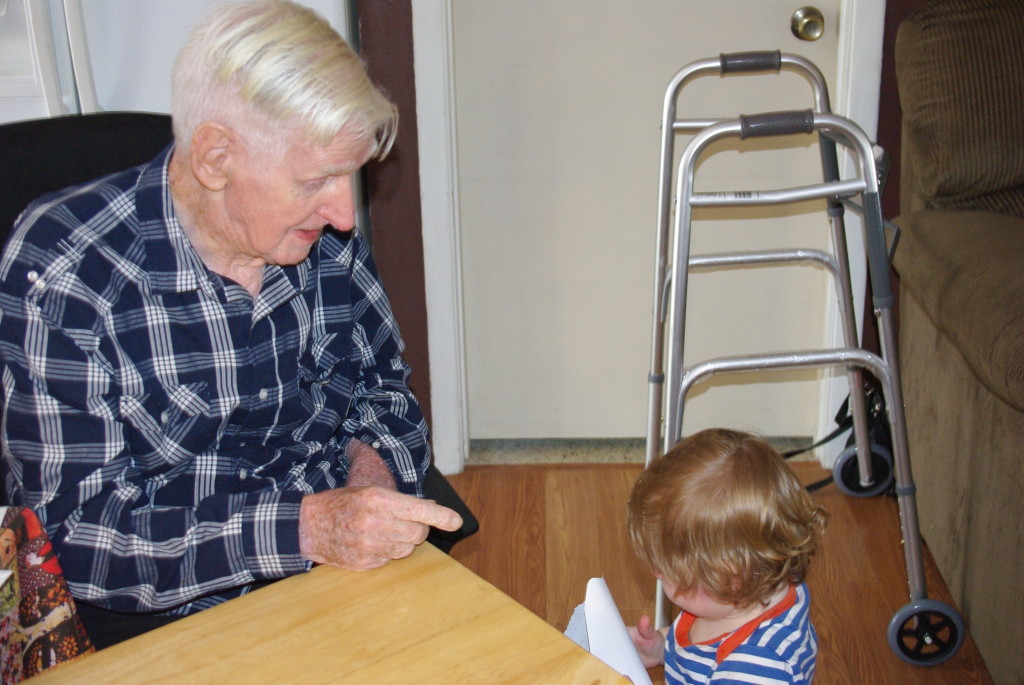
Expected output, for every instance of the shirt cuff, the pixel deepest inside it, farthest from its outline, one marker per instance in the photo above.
(270, 535)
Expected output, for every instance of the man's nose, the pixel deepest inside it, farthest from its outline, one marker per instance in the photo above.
(338, 207)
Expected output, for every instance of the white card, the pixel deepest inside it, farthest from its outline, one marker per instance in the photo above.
(607, 634)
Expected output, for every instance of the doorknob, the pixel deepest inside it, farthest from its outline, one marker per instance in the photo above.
(808, 23)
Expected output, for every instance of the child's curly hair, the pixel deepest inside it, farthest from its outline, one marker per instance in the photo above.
(723, 511)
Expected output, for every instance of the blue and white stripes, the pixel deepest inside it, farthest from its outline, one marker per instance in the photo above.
(781, 649)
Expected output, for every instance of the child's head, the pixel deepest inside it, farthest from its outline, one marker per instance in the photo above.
(721, 511)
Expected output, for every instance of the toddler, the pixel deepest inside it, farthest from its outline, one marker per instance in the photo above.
(725, 525)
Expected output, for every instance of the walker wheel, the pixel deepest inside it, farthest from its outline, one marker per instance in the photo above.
(926, 632)
(846, 472)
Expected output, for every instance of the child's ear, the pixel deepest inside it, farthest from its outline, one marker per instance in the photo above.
(211, 150)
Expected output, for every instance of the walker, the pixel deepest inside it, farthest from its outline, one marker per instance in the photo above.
(924, 631)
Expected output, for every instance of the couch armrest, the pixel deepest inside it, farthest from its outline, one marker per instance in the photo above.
(959, 68)
(966, 270)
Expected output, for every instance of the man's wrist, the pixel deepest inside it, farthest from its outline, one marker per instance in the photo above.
(367, 467)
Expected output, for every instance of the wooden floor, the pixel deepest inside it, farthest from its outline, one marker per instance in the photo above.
(547, 529)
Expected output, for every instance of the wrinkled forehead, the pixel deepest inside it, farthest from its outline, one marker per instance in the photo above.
(344, 154)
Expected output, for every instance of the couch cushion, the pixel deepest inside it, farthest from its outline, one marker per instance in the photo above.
(966, 270)
(960, 68)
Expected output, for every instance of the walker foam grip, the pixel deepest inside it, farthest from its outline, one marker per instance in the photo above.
(882, 296)
(776, 123)
(736, 62)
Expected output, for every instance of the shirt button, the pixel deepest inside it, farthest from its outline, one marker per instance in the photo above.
(165, 416)
(264, 394)
(376, 444)
(32, 276)
(243, 474)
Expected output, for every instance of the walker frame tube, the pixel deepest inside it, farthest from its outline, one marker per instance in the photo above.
(750, 62)
(885, 368)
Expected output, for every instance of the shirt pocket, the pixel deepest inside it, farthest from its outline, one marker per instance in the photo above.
(166, 428)
(325, 375)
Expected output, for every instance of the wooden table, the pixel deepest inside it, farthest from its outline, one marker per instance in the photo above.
(425, 619)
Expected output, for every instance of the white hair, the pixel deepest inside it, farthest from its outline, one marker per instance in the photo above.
(272, 66)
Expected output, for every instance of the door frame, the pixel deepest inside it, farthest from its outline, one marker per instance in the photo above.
(442, 261)
(861, 27)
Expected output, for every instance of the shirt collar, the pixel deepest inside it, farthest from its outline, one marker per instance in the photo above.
(730, 641)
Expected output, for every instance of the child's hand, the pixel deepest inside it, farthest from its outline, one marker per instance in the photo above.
(649, 643)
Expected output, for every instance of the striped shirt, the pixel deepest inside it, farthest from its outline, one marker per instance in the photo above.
(162, 422)
(780, 646)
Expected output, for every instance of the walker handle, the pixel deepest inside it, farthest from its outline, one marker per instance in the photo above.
(751, 61)
(776, 123)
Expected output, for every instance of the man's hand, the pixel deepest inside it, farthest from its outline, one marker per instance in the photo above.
(649, 643)
(360, 528)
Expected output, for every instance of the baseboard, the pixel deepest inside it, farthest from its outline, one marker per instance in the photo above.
(584, 450)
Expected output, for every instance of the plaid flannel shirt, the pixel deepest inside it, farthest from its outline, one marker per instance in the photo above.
(163, 423)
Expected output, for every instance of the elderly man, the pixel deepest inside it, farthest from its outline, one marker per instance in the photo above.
(203, 382)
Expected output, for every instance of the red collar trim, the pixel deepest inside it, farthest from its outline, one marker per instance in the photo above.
(730, 641)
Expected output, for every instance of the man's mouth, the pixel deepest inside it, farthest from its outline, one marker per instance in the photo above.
(309, 234)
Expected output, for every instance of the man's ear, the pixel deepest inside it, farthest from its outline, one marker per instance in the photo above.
(211, 150)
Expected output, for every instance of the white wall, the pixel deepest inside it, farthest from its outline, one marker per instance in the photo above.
(132, 46)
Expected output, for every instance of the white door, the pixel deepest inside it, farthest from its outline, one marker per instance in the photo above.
(554, 121)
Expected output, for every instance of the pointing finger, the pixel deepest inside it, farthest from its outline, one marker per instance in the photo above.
(430, 513)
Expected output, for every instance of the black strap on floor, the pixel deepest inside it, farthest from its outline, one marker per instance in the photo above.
(844, 421)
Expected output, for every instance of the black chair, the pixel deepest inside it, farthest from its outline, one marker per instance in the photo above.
(44, 155)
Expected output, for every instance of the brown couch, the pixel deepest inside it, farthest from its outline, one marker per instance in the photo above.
(960, 69)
